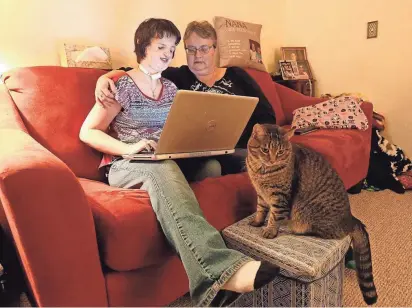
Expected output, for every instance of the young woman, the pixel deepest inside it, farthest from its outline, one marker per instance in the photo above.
(136, 118)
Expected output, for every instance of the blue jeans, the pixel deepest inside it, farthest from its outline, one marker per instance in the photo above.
(209, 264)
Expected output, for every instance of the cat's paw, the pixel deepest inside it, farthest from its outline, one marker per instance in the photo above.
(256, 223)
(269, 232)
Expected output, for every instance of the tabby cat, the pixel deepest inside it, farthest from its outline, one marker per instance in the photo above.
(297, 184)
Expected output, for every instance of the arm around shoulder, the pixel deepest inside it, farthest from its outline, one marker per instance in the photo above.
(105, 86)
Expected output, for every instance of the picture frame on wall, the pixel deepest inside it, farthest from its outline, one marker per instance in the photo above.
(294, 53)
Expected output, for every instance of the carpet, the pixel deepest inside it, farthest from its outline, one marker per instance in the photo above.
(388, 219)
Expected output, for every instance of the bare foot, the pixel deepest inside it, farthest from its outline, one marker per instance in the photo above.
(242, 281)
(253, 275)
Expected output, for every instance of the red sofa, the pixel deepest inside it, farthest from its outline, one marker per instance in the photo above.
(83, 243)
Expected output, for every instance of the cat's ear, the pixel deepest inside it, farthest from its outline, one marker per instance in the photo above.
(289, 134)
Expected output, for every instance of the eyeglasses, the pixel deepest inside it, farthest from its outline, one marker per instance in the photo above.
(204, 49)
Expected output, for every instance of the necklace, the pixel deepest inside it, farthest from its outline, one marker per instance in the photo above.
(153, 77)
(154, 90)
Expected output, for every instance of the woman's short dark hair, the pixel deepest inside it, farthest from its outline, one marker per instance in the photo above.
(150, 29)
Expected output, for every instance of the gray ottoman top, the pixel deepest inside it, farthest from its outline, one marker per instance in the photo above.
(305, 258)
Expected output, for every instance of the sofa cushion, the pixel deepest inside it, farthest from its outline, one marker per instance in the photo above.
(129, 235)
(53, 103)
(268, 88)
(154, 286)
(344, 149)
(127, 230)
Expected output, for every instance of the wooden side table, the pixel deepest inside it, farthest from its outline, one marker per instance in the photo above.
(303, 86)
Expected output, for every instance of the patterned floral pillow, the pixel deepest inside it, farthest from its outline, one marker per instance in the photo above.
(340, 112)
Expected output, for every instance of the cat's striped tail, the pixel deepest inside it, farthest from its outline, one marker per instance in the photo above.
(363, 259)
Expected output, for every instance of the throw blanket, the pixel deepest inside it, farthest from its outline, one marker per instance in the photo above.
(387, 166)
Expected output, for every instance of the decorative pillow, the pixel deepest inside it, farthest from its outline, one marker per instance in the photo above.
(72, 55)
(238, 43)
(340, 112)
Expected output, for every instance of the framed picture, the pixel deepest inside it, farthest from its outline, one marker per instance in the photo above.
(304, 71)
(74, 55)
(289, 69)
(294, 53)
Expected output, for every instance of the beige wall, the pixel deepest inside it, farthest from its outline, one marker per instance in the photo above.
(343, 60)
(183, 11)
(32, 29)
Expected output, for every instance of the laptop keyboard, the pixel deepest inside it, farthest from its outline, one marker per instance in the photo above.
(146, 152)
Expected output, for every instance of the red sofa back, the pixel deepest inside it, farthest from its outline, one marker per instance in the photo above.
(264, 80)
(53, 103)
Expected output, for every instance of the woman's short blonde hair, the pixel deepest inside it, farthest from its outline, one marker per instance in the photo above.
(202, 28)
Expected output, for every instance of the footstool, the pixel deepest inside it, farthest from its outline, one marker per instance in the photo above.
(311, 268)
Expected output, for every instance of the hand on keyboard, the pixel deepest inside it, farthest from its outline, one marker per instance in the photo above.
(144, 145)
(145, 151)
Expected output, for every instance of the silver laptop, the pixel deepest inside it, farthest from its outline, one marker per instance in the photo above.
(201, 124)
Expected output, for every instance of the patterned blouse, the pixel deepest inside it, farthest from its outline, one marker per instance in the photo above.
(141, 116)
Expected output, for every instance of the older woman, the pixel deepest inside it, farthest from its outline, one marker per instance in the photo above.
(202, 74)
(136, 118)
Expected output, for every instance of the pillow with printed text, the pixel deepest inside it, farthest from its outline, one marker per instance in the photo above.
(238, 43)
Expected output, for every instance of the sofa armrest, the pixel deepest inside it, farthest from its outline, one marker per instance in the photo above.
(291, 100)
(51, 224)
(367, 108)
(9, 115)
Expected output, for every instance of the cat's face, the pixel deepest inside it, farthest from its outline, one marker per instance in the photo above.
(268, 145)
